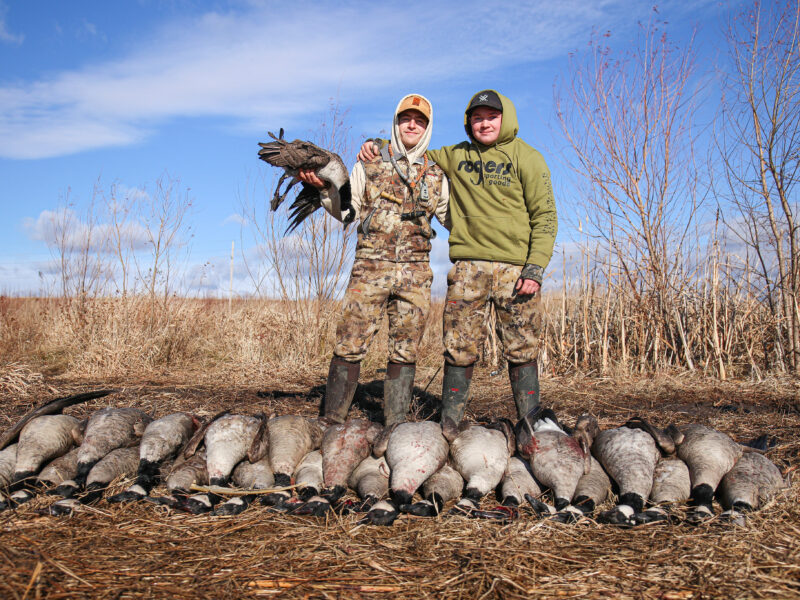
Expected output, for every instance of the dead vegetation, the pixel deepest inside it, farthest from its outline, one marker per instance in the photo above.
(144, 551)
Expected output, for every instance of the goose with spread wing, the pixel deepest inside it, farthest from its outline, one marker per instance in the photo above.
(300, 154)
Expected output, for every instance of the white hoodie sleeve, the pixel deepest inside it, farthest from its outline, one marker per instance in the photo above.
(442, 210)
(329, 196)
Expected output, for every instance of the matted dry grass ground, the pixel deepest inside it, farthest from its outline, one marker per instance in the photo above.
(143, 551)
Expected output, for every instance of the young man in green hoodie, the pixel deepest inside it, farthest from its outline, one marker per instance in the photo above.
(504, 225)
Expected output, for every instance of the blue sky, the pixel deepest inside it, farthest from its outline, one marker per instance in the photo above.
(124, 92)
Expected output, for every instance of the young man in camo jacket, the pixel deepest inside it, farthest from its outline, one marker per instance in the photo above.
(395, 195)
(504, 225)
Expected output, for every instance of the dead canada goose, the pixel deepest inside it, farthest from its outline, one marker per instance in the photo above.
(107, 430)
(558, 460)
(309, 480)
(370, 480)
(228, 440)
(299, 154)
(343, 448)
(162, 439)
(8, 463)
(671, 485)
(593, 488)
(292, 437)
(120, 462)
(480, 455)
(444, 485)
(249, 476)
(709, 454)
(414, 452)
(43, 439)
(629, 456)
(752, 481)
(50, 408)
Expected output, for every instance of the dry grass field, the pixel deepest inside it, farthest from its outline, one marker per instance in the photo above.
(144, 551)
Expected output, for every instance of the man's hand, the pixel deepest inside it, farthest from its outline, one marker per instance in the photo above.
(528, 282)
(526, 287)
(369, 151)
(308, 176)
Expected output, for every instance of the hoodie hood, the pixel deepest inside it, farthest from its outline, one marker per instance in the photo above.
(509, 127)
(417, 151)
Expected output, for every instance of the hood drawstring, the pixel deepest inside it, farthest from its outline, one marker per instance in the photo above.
(480, 156)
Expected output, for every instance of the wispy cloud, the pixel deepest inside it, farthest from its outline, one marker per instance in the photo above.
(272, 63)
(7, 36)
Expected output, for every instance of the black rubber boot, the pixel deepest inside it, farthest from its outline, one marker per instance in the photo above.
(397, 392)
(341, 387)
(455, 392)
(525, 385)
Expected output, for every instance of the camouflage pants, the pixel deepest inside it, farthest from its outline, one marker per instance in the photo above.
(403, 289)
(471, 286)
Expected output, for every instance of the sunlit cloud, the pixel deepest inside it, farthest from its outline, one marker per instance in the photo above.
(275, 63)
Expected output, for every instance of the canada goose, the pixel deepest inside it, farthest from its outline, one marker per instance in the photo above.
(671, 485)
(414, 451)
(343, 448)
(517, 482)
(229, 440)
(43, 439)
(59, 470)
(50, 408)
(480, 455)
(370, 480)
(593, 488)
(299, 154)
(709, 454)
(292, 437)
(184, 473)
(120, 462)
(441, 487)
(107, 430)
(308, 476)
(161, 440)
(629, 456)
(250, 476)
(558, 459)
(8, 462)
(752, 481)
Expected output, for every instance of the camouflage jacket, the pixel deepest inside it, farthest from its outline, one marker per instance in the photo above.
(382, 233)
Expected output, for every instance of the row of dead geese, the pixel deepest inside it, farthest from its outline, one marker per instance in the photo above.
(306, 465)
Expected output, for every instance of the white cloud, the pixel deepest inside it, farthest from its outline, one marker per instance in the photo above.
(6, 35)
(63, 228)
(236, 219)
(276, 63)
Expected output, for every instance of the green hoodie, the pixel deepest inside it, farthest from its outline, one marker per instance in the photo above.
(501, 199)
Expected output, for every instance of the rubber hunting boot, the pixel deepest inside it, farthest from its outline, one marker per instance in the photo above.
(525, 385)
(397, 392)
(455, 391)
(341, 387)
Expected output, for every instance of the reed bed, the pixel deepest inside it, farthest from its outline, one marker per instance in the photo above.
(143, 551)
